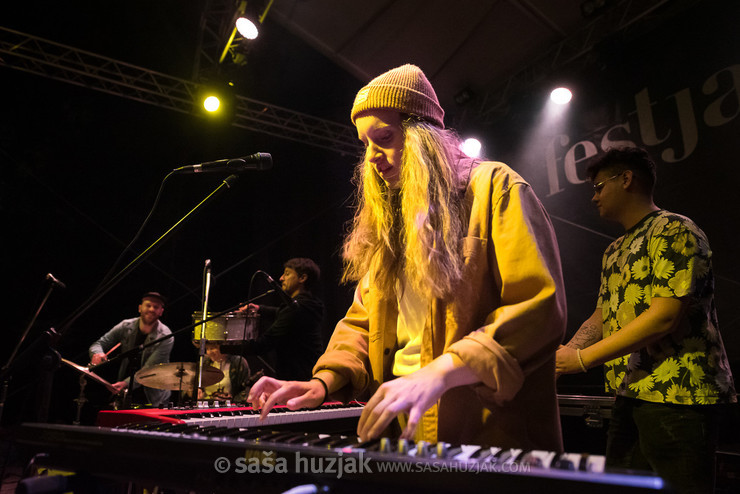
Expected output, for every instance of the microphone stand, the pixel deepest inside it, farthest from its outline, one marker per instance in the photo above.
(202, 349)
(50, 361)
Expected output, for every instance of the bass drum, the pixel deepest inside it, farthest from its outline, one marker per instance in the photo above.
(229, 328)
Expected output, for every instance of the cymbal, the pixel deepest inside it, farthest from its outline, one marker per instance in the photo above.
(88, 373)
(177, 375)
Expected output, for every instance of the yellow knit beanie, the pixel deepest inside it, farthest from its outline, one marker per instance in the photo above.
(405, 89)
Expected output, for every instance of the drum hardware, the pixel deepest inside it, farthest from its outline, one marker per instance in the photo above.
(80, 400)
(87, 373)
(177, 376)
(120, 400)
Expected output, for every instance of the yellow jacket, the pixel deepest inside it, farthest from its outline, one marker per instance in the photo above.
(505, 323)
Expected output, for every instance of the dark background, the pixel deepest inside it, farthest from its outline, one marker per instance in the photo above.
(81, 170)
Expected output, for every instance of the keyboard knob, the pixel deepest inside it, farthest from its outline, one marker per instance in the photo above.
(422, 449)
(385, 445)
(441, 449)
(563, 463)
(403, 447)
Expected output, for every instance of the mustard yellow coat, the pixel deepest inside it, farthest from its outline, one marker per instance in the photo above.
(505, 323)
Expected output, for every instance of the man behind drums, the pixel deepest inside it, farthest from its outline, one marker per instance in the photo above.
(134, 332)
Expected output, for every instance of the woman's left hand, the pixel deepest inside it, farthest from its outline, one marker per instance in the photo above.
(414, 394)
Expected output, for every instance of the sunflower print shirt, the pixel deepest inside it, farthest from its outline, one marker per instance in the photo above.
(665, 255)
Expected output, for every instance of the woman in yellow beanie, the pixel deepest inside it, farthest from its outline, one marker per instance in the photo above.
(459, 306)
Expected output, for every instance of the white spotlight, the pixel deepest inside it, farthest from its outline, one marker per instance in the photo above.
(471, 147)
(561, 96)
(211, 103)
(246, 28)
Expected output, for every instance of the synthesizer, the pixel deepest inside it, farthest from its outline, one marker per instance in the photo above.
(336, 415)
(226, 459)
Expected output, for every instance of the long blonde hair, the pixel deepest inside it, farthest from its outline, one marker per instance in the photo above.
(414, 232)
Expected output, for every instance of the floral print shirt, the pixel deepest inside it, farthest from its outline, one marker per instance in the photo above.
(665, 255)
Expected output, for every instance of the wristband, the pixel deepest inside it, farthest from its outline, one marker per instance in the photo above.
(580, 361)
(326, 388)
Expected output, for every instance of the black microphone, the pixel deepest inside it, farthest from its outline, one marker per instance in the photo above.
(281, 293)
(253, 162)
(55, 281)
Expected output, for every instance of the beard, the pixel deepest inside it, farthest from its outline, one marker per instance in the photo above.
(149, 318)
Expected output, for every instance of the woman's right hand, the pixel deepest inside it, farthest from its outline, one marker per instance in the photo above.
(268, 392)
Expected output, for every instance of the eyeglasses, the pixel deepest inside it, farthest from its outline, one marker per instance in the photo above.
(600, 185)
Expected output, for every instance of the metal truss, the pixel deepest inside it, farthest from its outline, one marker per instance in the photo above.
(289, 124)
(38, 56)
(214, 22)
(573, 48)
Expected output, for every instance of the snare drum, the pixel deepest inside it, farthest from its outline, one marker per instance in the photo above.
(229, 328)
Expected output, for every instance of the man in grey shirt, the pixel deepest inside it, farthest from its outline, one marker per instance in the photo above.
(131, 333)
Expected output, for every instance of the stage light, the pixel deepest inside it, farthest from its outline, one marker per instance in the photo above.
(211, 103)
(246, 23)
(471, 147)
(561, 96)
(247, 28)
(215, 100)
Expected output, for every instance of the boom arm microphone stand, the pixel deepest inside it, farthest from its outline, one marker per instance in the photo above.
(46, 338)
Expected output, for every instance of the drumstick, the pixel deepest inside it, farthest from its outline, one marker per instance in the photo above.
(106, 354)
(114, 347)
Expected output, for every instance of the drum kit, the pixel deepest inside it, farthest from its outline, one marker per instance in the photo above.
(228, 329)
(231, 328)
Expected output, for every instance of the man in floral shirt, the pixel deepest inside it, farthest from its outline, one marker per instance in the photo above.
(655, 330)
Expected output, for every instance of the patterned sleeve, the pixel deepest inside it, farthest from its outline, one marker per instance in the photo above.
(603, 298)
(679, 254)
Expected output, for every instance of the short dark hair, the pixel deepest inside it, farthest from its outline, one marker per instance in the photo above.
(304, 265)
(618, 160)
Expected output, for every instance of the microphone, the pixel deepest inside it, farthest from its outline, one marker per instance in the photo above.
(253, 162)
(54, 281)
(281, 293)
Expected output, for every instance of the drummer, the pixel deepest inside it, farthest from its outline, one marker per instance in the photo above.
(134, 332)
(233, 386)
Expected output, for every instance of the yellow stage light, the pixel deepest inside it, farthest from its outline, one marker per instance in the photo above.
(211, 103)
